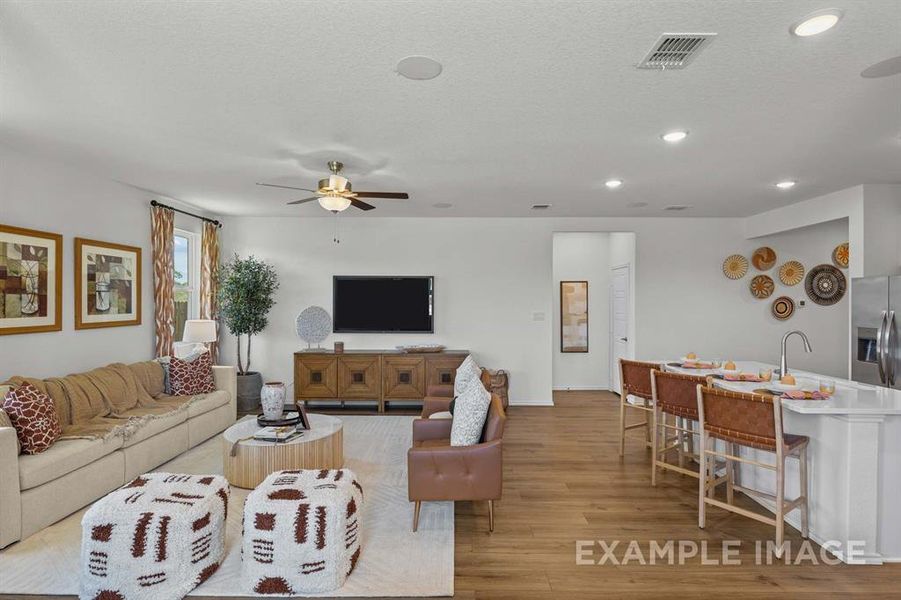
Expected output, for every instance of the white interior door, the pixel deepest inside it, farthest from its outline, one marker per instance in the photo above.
(620, 294)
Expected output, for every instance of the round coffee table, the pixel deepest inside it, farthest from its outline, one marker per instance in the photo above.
(320, 447)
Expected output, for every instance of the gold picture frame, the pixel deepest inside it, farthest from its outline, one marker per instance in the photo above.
(31, 281)
(107, 284)
(573, 316)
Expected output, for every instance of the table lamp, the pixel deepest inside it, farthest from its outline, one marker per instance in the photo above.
(199, 332)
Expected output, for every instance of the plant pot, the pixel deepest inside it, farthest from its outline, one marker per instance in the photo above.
(249, 386)
(272, 397)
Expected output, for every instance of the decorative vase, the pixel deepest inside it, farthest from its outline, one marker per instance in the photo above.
(272, 397)
(249, 386)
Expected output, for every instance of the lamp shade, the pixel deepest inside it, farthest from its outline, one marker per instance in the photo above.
(199, 331)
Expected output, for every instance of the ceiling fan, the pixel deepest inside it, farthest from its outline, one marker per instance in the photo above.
(336, 194)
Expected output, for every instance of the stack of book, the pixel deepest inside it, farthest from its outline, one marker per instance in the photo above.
(277, 434)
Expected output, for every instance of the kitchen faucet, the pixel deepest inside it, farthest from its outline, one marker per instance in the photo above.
(783, 365)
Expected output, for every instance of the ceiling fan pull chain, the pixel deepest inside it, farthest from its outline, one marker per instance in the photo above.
(337, 238)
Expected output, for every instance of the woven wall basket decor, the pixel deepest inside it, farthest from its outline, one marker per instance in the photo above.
(735, 266)
(762, 286)
(764, 258)
(841, 255)
(825, 285)
(783, 307)
(791, 273)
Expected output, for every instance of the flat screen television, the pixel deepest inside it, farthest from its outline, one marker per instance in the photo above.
(365, 304)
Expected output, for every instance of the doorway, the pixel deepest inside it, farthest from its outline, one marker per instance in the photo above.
(620, 319)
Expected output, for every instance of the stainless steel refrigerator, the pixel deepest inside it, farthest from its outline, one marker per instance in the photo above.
(875, 311)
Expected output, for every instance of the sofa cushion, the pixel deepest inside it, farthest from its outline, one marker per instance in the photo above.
(63, 457)
(151, 421)
(469, 414)
(466, 372)
(6, 422)
(441, 415)
(150, 375)
(32, 414)
(199, 404)
(188, 377)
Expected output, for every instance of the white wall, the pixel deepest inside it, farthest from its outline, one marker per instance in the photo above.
(492, 275)
(583, 257)
(40, 194)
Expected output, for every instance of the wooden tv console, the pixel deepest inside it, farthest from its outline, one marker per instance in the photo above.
(367, 375)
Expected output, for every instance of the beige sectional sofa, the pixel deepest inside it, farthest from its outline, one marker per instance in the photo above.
(117, 423)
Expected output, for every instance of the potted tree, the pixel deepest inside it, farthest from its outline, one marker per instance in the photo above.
(246, 289)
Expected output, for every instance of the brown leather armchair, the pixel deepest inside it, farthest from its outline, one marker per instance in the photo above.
(438, 397)
(438, 471)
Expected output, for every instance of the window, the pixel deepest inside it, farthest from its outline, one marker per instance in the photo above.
(186, 284)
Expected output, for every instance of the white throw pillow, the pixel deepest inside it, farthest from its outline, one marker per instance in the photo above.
(470, 413)
(441, 415)
(467, 370)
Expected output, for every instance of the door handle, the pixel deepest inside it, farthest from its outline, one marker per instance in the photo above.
(880, 342)
(624, 339)
(890, 343)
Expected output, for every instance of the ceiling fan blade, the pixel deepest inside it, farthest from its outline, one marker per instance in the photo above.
(285, 187)
(360, 204)
(304, 200)
(396, 195)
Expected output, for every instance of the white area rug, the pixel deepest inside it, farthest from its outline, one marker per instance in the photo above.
(394, 562)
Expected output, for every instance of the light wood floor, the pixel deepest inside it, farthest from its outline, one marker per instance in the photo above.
(564, 482)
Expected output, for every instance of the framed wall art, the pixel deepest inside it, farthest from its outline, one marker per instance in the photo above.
(30, 281)
(107, 284)
(573, 316)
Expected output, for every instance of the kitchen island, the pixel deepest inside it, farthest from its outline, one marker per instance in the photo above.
(854, 464)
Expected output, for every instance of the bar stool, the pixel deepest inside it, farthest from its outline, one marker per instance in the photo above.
(674, 395)
(635, 381)
(753, 421)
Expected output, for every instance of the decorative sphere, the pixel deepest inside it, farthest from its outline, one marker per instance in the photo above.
(313, 325)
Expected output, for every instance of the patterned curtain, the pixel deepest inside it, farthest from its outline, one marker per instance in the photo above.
(161, 238)
(209, 279)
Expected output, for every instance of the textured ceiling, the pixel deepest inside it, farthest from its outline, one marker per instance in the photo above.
(539, 102)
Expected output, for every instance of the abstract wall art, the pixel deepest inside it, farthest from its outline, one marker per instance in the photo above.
(573, 316)
(30, 281)
(107, 284)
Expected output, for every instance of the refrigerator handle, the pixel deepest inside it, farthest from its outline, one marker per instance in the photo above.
(890, 350)
(880, 343)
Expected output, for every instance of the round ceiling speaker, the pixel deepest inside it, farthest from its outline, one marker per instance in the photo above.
(419, 67)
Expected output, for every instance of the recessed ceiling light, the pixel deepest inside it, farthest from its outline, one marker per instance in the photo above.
(817, 22)
(419, 67)
(442, 205)
(786, 185)
(674, 136)
(613, 183)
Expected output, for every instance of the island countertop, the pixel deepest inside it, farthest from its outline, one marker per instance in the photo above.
(850, 398)
(855, 446)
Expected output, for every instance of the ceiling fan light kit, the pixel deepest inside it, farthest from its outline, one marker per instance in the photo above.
(335, 192)
(334, 202)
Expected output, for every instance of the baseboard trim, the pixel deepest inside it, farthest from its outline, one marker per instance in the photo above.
(532, 403)
(603, 388)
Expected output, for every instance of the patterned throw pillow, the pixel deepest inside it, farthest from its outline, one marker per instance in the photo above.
(468, 370)
(32, 413)
(470, 414)
(190, 377)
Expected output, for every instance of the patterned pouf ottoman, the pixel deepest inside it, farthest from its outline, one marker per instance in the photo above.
(302, 532)
(156, 538)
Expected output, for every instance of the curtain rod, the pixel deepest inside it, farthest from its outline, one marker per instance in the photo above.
(184, 212)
